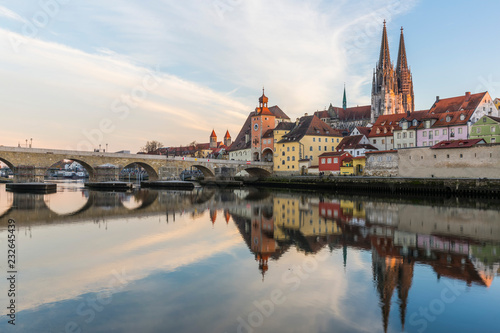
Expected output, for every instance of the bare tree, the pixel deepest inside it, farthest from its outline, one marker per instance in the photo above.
(151, 147)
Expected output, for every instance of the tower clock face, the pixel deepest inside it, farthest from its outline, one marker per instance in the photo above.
(256, 127)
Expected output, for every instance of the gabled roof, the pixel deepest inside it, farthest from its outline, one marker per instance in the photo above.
(309, 125)
(364, 130)
(278, 113)
(449, 118)
(353, 113)
(386, 124)
(349, 142)
(497, 119)
(465, 102)
(240, 141)
(285, 126)
(337, 153)
(458, 143)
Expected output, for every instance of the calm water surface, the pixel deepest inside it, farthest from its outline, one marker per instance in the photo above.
(249, 261)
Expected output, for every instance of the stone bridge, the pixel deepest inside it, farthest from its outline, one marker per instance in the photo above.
(32, 164)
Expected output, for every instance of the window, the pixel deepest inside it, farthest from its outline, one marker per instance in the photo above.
(283, 162)
(379, 158)
(293, 148)
(484, 119)
(293, 158)
(335, 160)
(314, 139)
(288, 158)
(493, 140)
(338, 140)
(411, 135)
(329, 160)
(383, 141)
(374, 141)
(333, 140)
(478, 130)
(404, 135)
(411, 144)
(460, 131)
(325, 148)
(322, 161)
(333, 148)
(282, 153)
(445, 131)
(389, 158)
(461, 155)
(399, 145)
(319, 139)
(492, 129)
(424, 134)
(404, 145)
(435, 156)
(424, 143)
(398, 135)
(436, 132)
(447, 155)
(310, 148)
(319, 148)
(287, 148)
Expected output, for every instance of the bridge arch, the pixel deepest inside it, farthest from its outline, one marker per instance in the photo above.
(258, 172)
(90, 170)
(9, 164)
(152, 173)
(207, 173)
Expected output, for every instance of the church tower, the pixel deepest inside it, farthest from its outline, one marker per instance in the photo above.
(227, 139)
(213, 140)
(405, 82)
(392, 89)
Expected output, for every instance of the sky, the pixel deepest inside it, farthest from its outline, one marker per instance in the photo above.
(78, 74)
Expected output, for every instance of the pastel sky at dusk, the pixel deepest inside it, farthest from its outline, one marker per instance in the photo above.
(76, 74)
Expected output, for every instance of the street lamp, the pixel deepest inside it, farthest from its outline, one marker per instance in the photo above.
(31, 142)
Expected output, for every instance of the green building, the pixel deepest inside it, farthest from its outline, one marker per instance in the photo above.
(487, 128)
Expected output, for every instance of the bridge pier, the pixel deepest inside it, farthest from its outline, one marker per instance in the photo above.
(29, 174)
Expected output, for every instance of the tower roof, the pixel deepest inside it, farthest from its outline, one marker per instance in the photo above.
(385, 58)
(227, 136)
(263, 98)
(213, 135)
(402, 62)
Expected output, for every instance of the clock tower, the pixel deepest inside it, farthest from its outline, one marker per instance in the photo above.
(262, 121)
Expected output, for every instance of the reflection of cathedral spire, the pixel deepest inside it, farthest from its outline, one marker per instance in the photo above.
(388, 273)
(213, 215)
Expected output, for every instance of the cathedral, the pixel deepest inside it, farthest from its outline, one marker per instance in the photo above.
(392, 88)
(392, 92)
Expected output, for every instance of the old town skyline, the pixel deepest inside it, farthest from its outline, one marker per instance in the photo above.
(91, 73)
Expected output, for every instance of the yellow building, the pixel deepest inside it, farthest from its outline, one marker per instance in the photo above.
(302, 216)
(353, 166)
(307, 138)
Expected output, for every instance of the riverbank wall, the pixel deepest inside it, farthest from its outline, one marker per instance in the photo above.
(460, 187)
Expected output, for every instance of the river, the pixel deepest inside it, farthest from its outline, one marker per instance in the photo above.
(247, 260)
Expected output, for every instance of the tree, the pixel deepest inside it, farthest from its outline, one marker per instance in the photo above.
(151, 147)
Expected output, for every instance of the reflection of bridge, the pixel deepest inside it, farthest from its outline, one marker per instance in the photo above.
(33, 209)
(31, 164)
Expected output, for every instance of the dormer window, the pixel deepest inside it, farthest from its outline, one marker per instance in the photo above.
(385, 130)
(448, 118)
(378, 130)
(414, 122)
(462, 116)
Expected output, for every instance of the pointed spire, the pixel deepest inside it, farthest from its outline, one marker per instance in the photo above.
(385, 58)
(227, 136)
(402, 62)
(344, 100)
(213, 135)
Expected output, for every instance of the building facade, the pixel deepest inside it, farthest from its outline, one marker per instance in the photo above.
(487, 128)
(392, 88)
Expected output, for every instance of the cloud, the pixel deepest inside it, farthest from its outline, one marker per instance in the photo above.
(7, 13)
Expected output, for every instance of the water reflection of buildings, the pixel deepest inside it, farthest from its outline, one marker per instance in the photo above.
(463, 246)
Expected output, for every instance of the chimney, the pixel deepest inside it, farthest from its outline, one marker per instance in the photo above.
(247, 138)
(437, 98)
(467, 95)
(305, 114)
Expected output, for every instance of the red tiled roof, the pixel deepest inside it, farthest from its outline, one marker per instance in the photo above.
(227, 136)
(458, 143)
(449, 118)
(364, 130)
(385, 124)
(349, 142)
(338, 153)
(213, 135)
(464, 102)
